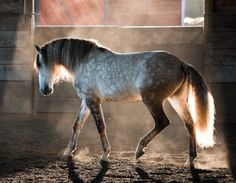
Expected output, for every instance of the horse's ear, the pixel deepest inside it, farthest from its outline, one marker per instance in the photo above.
(37, 48)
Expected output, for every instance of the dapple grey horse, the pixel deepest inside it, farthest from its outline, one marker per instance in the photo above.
(99, 75)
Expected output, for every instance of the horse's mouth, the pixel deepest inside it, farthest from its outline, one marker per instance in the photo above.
(46, 92)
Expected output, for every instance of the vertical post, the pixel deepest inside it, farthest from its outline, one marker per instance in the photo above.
(183, 3)
(106, 13)
(220, 66)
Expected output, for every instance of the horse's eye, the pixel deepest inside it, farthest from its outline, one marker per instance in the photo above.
(38, 63)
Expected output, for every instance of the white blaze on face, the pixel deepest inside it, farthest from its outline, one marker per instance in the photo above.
(45, 79)
(46, 76)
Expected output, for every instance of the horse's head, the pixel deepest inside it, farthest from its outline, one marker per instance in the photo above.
(46, 72)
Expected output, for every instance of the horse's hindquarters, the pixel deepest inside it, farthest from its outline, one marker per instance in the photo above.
(159, 79)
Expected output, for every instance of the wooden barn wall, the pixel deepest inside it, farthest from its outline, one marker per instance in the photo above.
(15, 58)
(220, 55)
(220, 66)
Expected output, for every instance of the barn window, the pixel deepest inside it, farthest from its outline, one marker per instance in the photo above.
(119, 12)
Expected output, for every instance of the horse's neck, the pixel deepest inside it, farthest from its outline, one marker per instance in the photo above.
(94, 54)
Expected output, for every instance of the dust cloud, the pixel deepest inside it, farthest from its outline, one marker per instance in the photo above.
(83, 155)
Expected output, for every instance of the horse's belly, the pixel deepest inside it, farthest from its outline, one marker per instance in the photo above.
(114, 93)
(125, 97)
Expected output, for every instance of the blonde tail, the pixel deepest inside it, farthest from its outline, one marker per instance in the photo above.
(201, 107)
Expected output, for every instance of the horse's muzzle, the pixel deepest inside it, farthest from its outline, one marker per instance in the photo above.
(46, 90)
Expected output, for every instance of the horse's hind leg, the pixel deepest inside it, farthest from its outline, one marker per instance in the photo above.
(78, 125)
(161, 121)
(97, 113)
(192, 145)
(182, 110)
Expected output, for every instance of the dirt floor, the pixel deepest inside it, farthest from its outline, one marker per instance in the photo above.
(31, 152)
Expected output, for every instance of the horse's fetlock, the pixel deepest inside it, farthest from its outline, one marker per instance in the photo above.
(72, 146)
(108, 150)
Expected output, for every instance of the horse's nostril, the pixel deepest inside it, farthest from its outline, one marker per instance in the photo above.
(46, 90)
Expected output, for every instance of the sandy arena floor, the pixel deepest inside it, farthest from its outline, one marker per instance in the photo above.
(28, 155)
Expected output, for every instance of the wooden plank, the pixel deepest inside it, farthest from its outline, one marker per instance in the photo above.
(160, 36)
(119, 37)
(11, 6)
(16, 72)
(220, 73)
(63, 90)
(223, 6)
(222, 57)
(16, 56)
(221, 40)
(62, 105)
(13, 22)
(16, 97)
(56, 117)
(225, 119)
(223, 89)
(224, 105)
(9, 39)
(224, 95)
(57, 105)
(220, 22)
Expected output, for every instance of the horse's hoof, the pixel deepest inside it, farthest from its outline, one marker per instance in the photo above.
(104, 163)
(139, 153)
(104, 160)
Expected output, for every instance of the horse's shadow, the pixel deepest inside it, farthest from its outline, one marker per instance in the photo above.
(145, 176)
(74, 176)
(196, 178)
(195, 175)
(101, 173)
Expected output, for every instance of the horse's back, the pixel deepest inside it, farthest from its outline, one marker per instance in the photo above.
(123, 77)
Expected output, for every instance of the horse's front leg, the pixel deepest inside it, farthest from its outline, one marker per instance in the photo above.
(97, 113)
(78, 125)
